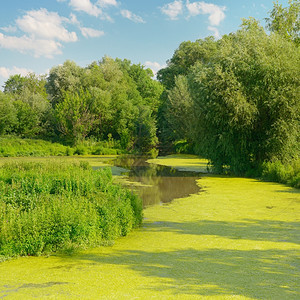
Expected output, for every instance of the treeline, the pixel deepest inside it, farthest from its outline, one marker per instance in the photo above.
(107, 100)
(236, 100)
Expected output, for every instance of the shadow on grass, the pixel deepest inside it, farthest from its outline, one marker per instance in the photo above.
(258, 230)
(264, 274)
(268, 274)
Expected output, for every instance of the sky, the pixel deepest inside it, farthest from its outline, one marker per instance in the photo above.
(36, 35)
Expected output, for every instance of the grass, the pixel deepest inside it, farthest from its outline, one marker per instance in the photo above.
(283, 173)
(50, 206)
(237, 239)
(11, 146)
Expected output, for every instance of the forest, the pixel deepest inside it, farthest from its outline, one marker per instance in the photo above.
(234, 101)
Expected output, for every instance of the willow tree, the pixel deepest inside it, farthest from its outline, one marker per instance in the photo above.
(242, 106)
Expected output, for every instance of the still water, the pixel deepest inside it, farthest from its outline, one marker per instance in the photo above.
(156, 184)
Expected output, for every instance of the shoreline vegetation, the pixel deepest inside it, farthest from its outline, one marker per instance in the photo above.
(233, 101)
(12, 146)
(237, 239)
(59, 206)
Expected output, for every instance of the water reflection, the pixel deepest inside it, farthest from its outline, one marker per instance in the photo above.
(158, 184)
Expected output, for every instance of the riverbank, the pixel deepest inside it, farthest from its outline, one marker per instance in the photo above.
(51, 206)
(236, 239)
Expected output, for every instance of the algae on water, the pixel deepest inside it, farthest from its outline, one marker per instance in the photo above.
(238, 239)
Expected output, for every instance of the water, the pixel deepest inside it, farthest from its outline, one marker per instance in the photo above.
(156, 184)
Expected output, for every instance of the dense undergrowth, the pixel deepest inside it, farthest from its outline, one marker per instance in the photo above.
(11, 146)
(282, 173)
(45, 207)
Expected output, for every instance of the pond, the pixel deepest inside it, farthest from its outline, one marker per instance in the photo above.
(155, 184)
(238, 239)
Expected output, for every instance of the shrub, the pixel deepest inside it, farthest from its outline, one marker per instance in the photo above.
(11, 146)
(46, 207)
(14, 146)
(283, 173)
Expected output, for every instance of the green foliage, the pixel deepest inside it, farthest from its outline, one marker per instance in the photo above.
(108, 97)
(286, 20)
(283, 173)
(17, 84)
(62, 79)
(8, 117)
(183, 146)
(240, 105)
(184, 58)
(48, 207)
(14, 146)
(180, 65)
(27, 108)
(75, 116)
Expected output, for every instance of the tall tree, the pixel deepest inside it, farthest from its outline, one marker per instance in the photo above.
(8, 117)
(75, 115)
(286, 20)
(62, 79)
(243, 103)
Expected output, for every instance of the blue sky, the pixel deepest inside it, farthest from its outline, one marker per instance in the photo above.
(36, 35)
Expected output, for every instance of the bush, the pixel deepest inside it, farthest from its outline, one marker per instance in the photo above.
(283, 173)
(11, 146)
(14, 146)
(45, 207)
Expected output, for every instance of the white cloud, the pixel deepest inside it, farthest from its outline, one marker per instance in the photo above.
(6, 72)
(44, 32)
(45, 25)
(9, 28)
(91, 9)
(73, 19)
(90, 32)
(154, 66)
(215, 31)
(25, 44)
(173, 9)
(86, 6)
(131, 16)
(215, 12)
(105, 3)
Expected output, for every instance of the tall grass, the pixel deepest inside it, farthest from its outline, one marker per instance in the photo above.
(11, 146)
(45, 207)
(14, 146)
(283, 173)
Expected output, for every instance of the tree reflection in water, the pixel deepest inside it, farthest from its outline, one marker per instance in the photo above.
(159, 184)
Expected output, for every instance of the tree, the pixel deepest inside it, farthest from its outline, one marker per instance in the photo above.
(62, 79)
(17, 84)
(8, 118)
(286, 20)
(14, 84)
(179, 109)
(241, 107)
(184, 58)
(75, 115)
(29, 99)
